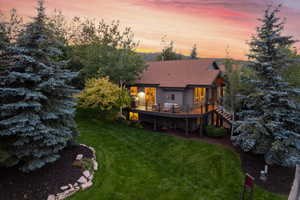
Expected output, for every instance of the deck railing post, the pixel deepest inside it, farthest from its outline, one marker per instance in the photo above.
(159, 107)
(173, 109)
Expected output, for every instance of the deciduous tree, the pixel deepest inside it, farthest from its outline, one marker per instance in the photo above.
(103, 95)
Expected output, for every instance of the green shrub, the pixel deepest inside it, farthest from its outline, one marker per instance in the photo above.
(136, 124)
(215, 132)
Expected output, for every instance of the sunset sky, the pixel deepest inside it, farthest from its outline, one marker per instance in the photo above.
(211, 24)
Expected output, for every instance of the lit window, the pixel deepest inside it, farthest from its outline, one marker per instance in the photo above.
(199, 95)
(150, 95)
(133, 116)
(133, 91)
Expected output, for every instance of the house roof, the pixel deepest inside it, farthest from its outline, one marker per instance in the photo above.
(180, 73)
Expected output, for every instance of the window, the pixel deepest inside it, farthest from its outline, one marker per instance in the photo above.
(172, 97)
(133, 91)
(150, 95)
(199, 95)
(133, 116)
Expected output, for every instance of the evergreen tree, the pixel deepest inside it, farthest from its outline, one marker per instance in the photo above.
(168, 53)
(5, 157)
(269, 120)
(36, 103)
(4, 39)
(194, 52)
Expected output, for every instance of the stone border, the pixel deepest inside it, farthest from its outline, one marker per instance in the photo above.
(84, 182)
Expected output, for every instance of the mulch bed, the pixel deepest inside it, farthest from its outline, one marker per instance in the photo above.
(280, 179)
(37, 185)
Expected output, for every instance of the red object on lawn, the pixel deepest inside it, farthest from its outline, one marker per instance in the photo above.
(249, 181)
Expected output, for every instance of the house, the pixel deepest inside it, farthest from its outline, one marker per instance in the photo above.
(169, 91)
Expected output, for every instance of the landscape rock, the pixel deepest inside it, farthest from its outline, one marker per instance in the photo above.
(86, 185)
(64, 187)
(95, 165)
(86, 173)
(93, 150)
(79, 157)
(82, 180)
(51, 197)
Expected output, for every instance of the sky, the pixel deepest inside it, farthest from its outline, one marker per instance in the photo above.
(215, 26)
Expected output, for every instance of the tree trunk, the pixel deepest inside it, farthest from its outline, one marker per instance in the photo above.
(121, 86)
(295, 192)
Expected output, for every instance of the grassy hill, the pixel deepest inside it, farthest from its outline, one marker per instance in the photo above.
(136, 164)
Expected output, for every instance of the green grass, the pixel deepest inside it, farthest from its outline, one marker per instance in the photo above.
(136, 164)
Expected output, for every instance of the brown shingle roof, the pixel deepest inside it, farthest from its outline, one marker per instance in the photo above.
(179, 73)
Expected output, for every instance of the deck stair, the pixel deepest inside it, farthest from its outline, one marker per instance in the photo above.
(225, 114)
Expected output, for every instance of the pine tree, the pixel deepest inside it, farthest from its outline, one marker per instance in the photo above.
(36, 103)
(5, 157)
(4, 39)
(269, 120)
(168, 53)
(194, 52)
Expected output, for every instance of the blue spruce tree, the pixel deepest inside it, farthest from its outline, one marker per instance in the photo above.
(269, 120)
(36, 103)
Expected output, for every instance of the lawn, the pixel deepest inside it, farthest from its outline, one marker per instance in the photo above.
(136, 164)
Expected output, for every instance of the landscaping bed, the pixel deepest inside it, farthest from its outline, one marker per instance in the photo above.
(37, 185)
(280, 179)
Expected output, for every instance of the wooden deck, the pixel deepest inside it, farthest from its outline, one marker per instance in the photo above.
(176, 113)
(189, 120)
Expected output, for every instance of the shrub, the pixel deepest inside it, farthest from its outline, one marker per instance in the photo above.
(103, 95)
(136, 124)
(215, 132)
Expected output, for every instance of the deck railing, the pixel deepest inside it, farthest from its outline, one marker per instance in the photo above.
(176, 109)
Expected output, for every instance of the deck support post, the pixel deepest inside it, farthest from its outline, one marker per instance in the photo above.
(218, 120)
(201, 126)
(186, 126)
(212, 118)
(155, 124)
(175, 125)
(221, 122)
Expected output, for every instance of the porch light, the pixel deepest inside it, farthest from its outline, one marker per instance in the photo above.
(141, 94)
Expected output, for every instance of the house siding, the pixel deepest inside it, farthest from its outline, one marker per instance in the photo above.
(159, 96)
(188, 98)
(178, 97)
